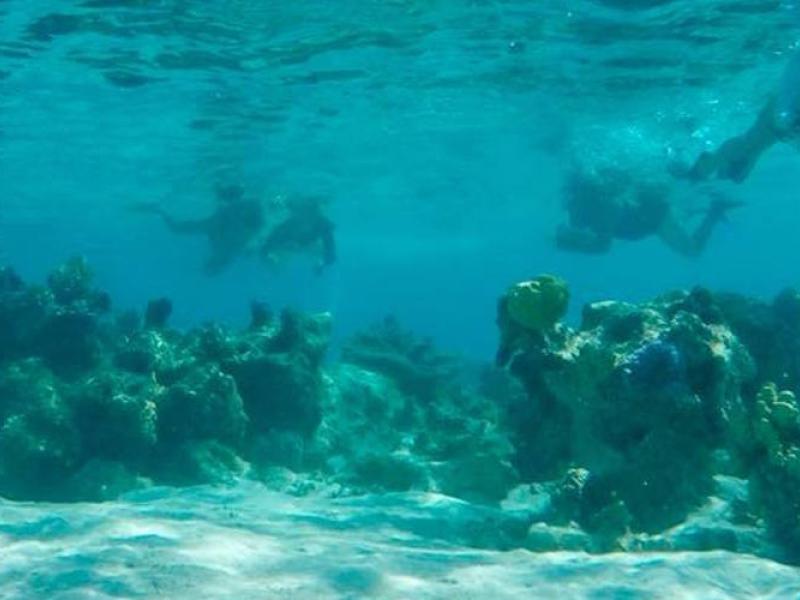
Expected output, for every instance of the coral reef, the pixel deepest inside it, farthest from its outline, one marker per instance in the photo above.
(773, 442)
(528, 311)
(644, 407)
(90, 406)
(538, 304)
(412, 363)
(771, 332)
(638, 410)
(376, 436)
(667, 424)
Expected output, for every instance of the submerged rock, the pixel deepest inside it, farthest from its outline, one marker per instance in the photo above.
(83, 396)
(412, 363)
(203, 405)
(773, 442)
(640, 402)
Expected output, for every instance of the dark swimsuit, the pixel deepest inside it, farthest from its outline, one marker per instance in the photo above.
(643, 219)
(604, 214)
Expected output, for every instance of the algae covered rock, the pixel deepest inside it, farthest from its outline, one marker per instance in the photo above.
(71, 282)
(116, 416)
(413, 363)
(206, 461)
(22, 311)
(203, 405)
(528, 313)
(775, 462)
(377, 435)
(277, 374)
(279, 392)
(145, 352)
(539, 303)
(90, 406)
(39, 448)
(68, 338)
(771, 332)
(58, 324)
(640, 397)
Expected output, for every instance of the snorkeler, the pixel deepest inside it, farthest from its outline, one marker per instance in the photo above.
(778, 121)
(609, 205)
(305, 227)
(230, 230)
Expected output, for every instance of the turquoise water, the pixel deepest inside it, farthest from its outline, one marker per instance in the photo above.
(439, 133)
(437, 145)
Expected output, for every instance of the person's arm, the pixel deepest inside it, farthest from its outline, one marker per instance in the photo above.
(692, 244)
(173, 224)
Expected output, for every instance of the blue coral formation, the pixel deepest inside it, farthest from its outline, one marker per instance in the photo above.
(656, 366)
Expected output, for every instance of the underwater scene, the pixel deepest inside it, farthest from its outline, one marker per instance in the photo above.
(402, 299)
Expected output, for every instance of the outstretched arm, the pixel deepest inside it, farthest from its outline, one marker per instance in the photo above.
(188, 226)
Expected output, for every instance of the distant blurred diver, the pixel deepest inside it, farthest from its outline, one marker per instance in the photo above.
(608, 204)
(305, 227)
(778, 121)
(230, 229)
(237, 225)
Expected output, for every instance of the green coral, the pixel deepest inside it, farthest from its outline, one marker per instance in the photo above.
(115, 415)
(777, 423)
(538, 304)
(775, 480)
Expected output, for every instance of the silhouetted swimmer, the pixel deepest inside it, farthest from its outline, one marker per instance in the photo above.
(231, 229)
(610, 205)
(778, 121)
(305, 227)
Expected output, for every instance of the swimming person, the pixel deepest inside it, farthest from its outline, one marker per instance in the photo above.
(305, 227)
(778, 121)
(230, 229)
(609, 204)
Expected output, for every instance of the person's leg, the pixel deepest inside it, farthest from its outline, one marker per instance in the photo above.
(735, 159)
(676, 237)
(692, 244)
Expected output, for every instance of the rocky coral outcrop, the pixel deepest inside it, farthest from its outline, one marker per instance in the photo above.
(399, 417)
(83, 398)
(773, 445)
(637, 401)
(412, 363)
